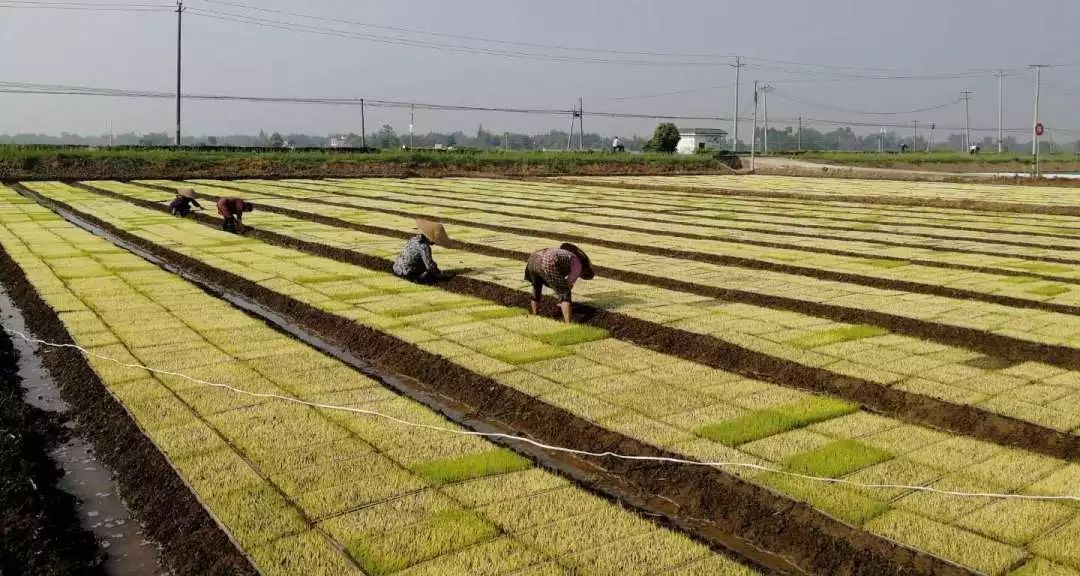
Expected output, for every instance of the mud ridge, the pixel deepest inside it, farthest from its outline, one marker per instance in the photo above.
(961, 204)
(717, 259)
(193, 544)
(714, 352)
(781, 245)
(810, 540)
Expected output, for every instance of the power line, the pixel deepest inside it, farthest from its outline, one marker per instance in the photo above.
(798, 100)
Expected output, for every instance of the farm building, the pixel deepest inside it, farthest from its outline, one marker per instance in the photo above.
(693, 139)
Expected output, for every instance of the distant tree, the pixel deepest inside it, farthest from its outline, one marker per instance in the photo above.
(276, 140)
(212, 140)
(263, 139)
(387, 138)
(665, 139)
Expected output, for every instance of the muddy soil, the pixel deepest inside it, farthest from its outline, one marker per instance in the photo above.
(805, 538)
(711, 351)
(193, 544)
(40, 531)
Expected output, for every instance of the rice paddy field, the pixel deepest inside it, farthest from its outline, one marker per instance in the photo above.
(767, 375)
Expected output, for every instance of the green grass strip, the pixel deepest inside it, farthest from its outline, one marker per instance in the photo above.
(836, 336)
(448, 470)
(770, 421)
(838, 459)
(573, 335)
(1048, 290)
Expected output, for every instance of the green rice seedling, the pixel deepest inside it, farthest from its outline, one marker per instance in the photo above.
(904, 439)
(644, 428)
(470, 466)
(1043, 567)
(763, 423)
(837, 335)
(945, 508)
(540, 509)
(256, 515)
(494, 313)
(712, 565)
(151, 404)
(519, 351)
(568, 369)
(272, 427)
(955, 453)
(837, 459)
(1065, 482)
(217, 472)
(839, 501)
(960, 546)
(855, 425)
(1018, 279)
(651, 553)
(576, 534)
(1060, 546)
(780, 447)
(111, 372)
(576, 334)
(622, 355)
(186, 440)
(487, 490)
(492, 558)
(436, 535)
(309, 553)
(1015, 469)
(884, 263)
(1049, 290)
(347, 484)
(1017, 522)
(895, 471)
(1039, 267)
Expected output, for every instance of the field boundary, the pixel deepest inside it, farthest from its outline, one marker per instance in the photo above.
(804, 536)
(708, 350)
(193, 542)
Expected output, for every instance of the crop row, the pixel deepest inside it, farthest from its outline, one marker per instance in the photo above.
(701, 412)
(648, 253)
(292, 484)
(826, 187)
(1030, 391)
(849, 247)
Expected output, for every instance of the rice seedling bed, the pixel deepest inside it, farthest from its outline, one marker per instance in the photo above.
(790, 336)
(810, 441)
(304, 490)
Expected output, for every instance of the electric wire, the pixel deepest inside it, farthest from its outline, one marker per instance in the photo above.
(541, 445)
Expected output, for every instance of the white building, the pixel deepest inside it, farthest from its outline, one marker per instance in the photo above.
(338, 141)
(693, 139)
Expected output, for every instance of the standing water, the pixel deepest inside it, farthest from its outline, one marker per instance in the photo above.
(101, 510)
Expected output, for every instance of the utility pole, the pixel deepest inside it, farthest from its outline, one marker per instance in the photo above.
(800, 133)
(581, 125)
(179, 37)
(363, 126)
(735, 119)
(930, 141)
(966, 95)
(1034, 126)
(915, 136)
(1001, 111)
(765, 104)
(753, 137)
(574, 114)
(412, 119)
(881, 140)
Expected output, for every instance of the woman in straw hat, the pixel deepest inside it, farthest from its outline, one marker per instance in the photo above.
(558, 269)
(181, 205)
(415, 261)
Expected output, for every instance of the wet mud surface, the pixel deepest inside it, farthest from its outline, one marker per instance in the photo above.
(789, 530)
(192, 543)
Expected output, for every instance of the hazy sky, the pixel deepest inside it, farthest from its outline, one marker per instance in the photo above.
(917, 37)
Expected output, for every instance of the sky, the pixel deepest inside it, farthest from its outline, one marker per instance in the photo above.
(783, 42)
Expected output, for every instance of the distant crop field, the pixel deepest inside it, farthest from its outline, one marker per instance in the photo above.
(767, 375)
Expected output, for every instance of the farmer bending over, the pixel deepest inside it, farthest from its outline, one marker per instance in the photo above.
(415, 261)
(181, 205)
(558, 269)
(232, 213)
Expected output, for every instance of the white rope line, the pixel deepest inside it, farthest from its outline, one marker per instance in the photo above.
(541, 445)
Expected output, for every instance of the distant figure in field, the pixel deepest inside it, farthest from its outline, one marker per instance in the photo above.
(558, 269)
(617, 145)
(415, 261)
(903, 148)
(974, 149)
(181, 205)
(232, 213)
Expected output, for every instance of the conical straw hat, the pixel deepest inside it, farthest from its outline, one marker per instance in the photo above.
(186, 192)
(433, 231)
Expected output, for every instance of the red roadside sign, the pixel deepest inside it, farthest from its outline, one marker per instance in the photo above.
(1039, 129)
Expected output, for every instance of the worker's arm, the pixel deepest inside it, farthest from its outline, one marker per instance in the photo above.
(429, 261)
(196, 204)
